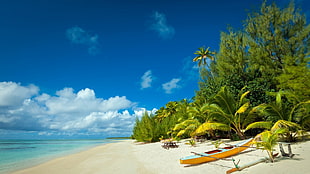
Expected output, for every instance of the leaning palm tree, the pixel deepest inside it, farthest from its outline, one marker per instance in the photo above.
(202, 55)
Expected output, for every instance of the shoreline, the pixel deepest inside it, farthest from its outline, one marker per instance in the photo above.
(87, 161)
(127, 156)
(22, 154)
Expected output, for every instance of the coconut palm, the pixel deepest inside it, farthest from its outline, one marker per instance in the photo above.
(280, 124)
(202, 55)
(196, 115)
(225, 109)
(199, 122)
(267, 140)
(210, 127)
(168, 111)
(302, 117)
(186, 128)
(198, 111)
(280, 115)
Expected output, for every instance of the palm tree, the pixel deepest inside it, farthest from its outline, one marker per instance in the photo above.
(203, 53)
(209, 127)
(168, 111)
(225, 109)
(195, 116)
(267, 140)
(302, 117)
(280, 115)
(198, 122)
(280, 124)
(198, 111)
(186, 128)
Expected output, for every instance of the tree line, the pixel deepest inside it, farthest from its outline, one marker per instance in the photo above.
(258, 80)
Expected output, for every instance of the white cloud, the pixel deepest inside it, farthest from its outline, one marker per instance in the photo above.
(161, 26)
(66, 113)
(171, 85)
(12, 94)
(146, 79)
(79, 36)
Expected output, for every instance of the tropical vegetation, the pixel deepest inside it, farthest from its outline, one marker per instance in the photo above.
(258, 82)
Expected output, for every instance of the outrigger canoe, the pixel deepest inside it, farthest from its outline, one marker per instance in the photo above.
(219, 153)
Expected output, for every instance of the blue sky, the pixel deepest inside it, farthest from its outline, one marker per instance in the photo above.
(87, 68)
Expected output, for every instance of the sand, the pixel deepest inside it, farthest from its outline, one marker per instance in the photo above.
(131, 157)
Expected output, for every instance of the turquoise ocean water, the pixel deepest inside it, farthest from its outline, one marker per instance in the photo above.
(20, 154)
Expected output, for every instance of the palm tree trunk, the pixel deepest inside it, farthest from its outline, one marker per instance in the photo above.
(270, 155)
(241, 135)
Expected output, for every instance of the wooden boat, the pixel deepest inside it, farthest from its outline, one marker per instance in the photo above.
(219, 153)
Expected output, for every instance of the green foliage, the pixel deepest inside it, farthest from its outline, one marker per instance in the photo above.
(270, 53)
(191, 142)
(186, 128)
(217, 143)
(260, 125)
(260, 73)
(210, 127)
(278, 45)
(144, 129)
(267, 140)
(149, 130)
(208, 86)
(235, 113)
(283, 115)
(296, 79)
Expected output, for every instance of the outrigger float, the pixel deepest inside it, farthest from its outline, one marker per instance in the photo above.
(216, 154)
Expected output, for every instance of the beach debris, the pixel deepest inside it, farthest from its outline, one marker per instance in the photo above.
(252, 163)
(283, 153)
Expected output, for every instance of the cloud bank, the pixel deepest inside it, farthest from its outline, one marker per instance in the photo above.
(23, 108)
(79, 36)
(161, 27)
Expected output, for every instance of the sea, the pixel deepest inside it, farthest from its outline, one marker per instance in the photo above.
(20, 154)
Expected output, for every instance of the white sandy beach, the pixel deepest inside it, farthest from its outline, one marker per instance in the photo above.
(130, 157)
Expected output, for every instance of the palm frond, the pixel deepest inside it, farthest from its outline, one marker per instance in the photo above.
(259, 124)
(211, 126)
(285, 124)
(225, 100)
(243, 108)
(243, 96)
(181, 132)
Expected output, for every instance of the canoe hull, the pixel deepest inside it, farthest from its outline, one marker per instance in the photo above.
(205, 157)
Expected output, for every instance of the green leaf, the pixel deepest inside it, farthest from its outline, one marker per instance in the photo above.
(260, 124)
(243, 108)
